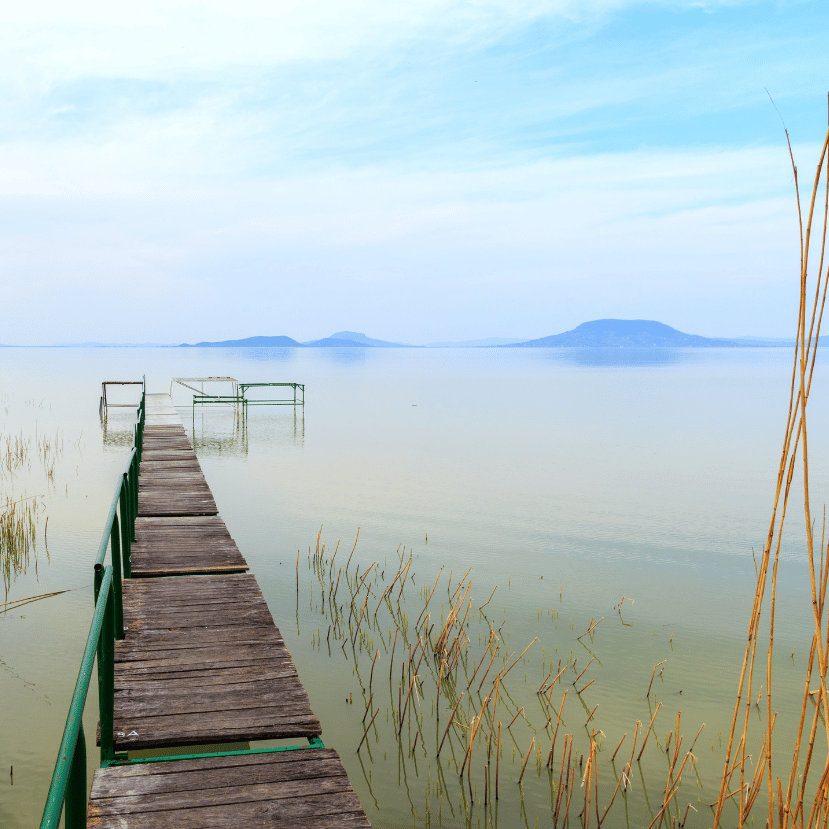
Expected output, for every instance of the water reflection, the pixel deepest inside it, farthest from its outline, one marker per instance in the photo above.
(622, 357)
(259, 355)
(346, 356)
(228, 432)
(118, 429)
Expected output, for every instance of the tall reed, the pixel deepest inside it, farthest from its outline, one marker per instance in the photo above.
(798, 795)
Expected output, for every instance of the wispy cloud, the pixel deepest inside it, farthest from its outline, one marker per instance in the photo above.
(444, 169)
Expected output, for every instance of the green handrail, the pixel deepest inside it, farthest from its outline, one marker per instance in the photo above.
(69, 778)
(69, 786)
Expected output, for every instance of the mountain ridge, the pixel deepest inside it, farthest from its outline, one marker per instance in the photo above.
(617, 333)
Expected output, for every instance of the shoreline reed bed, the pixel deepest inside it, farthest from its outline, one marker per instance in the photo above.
(442, 685)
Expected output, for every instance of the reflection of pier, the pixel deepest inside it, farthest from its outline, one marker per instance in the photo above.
(227, 431)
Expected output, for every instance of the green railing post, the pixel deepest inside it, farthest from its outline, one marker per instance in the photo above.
(124, 510)
(115, 541)
(133, 491)
(106, 679)
(75, 803)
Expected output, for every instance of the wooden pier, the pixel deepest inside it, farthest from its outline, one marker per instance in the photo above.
(202, 663)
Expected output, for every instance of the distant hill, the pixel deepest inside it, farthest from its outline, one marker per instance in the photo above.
(249, 342)
(628, 333)
(351, 339)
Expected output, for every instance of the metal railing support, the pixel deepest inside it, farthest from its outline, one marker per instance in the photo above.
(75, 804)
(106, 679)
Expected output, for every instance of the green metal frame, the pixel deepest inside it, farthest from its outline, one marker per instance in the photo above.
(68, 790)
(241, 400)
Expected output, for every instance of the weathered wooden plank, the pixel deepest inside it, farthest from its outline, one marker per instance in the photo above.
(296, 764)
(213, 675)
(133, 733)
(346, 814)
(225, 795)
(160, 640)
(284, 702)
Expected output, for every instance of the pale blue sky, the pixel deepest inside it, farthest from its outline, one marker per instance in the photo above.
(430, 171)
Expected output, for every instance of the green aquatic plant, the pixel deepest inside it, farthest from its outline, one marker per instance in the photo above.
(18, 526)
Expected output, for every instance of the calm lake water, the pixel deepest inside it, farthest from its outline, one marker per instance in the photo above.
(567, 478)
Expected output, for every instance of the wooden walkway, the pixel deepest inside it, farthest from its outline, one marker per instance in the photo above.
(203, 663)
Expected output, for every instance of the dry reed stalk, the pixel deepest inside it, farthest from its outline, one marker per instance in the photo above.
(368, 708)
(585, 687)
(497, 758)
(489, 599)
(460, 584)
(486, 673)
(406, 705)
(404, 575)
(524, 767)
(562, 780)
(569, 791)
(653, 676)
(352, 551)
(592, 712)
(440, 645)
(622, 776)
(648, 733)
(633, 747)
(359, 622)
(368, 728)
(504, 673)
(473, 731)
(618, 747)
(428, 600)
(670, 793)
(803, 368)
(555, 732)
(553, 684)
(483, 656)
(391, 661)
(495, 688)
(584, 669)
(451, 718)
(373, 662)
(593, 626)
(15, 603)
(336, 586)
(515, 718)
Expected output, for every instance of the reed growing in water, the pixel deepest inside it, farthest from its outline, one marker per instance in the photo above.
(18, 526)
(795, 788)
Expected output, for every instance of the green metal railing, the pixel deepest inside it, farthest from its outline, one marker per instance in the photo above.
(69, 784)
(240, 399)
